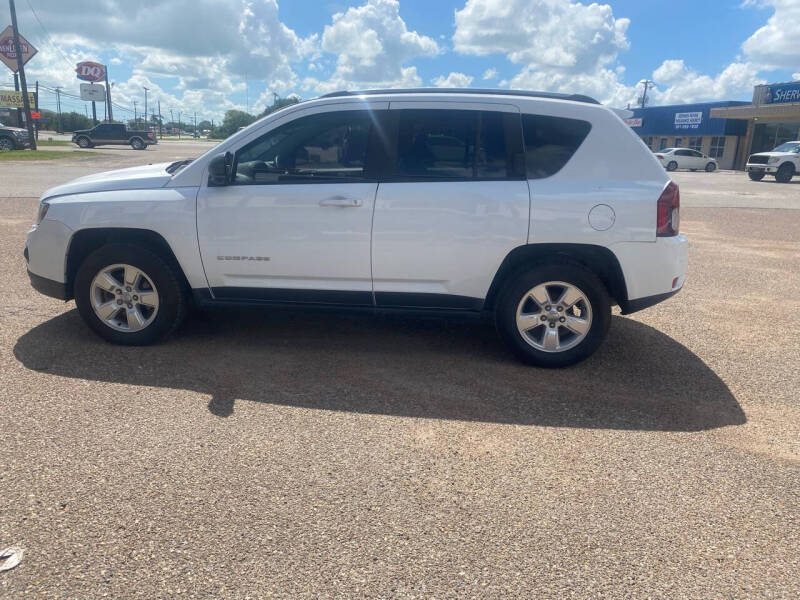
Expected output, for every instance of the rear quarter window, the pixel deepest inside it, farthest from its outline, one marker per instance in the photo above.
(550, 142)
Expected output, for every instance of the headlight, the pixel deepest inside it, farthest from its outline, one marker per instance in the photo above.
(43, 208)
(774, 159)
(21, 133)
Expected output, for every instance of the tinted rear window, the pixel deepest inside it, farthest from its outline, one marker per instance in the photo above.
(441, 144)
(550, 142)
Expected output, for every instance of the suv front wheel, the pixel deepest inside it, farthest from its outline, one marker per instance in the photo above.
(554, 315)
(129, 295)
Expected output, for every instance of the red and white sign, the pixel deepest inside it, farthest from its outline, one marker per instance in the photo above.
(8, 53)
(36, 116)
(90, 71)
(634, 122)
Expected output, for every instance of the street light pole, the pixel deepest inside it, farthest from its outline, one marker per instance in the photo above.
(26, 104)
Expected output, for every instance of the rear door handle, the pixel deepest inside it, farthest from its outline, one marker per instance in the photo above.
(342, 201)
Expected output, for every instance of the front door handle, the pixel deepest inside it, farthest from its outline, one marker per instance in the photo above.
(342, 201)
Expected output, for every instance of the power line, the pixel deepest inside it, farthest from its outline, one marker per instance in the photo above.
(47, 35)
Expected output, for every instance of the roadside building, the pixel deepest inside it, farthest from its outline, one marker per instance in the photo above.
(770, 120)
(692, 126)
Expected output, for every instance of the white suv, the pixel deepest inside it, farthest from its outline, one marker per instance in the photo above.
(539, 210)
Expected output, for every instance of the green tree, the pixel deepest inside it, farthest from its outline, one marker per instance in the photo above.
(234, 119)
(279, 104)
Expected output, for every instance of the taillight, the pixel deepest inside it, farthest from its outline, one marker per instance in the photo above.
(659, 156)
(668, 211)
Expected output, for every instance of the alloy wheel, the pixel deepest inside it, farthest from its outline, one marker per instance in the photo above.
(554, 316)
(124, 298)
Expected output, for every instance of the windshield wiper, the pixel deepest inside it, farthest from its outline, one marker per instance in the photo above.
(178, 164)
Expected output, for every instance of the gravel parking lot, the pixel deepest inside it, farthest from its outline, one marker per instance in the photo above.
(309, 456)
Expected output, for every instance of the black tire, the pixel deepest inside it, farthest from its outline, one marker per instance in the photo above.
(785, 173)
(755, 175)
(672, 165)
(7, 144)
(518, 286)
(172, 298)
(83, 142)
(711, 167)
(138, 144)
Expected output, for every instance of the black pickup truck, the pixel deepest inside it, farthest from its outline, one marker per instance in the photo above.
(13, 138)
(106, 134)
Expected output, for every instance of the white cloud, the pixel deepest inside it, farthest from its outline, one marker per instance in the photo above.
(566, 46)
(796, 76)
(208, 46)
(372, 46)
(541, 33)
(489, 74)
(775, 45)
(453, 80)
(676, 83)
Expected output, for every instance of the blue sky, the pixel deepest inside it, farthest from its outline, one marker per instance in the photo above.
(194, 55)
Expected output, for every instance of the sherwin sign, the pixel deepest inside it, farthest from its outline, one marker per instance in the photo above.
(781, 93)
(688, 120)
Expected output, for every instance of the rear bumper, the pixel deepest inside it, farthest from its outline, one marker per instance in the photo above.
(653, 271)
(48, 287)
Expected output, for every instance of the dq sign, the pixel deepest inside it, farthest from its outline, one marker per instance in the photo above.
(90, 71)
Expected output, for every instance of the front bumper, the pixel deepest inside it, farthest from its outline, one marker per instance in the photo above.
(48, 287)
(760, 168)
(22, 142)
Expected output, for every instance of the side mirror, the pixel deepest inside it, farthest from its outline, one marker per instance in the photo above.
(219, 169)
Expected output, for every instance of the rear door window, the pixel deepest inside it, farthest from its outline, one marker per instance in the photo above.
(437, 144)
(550, 142)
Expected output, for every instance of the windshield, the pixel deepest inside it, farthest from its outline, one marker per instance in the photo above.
(788, 147)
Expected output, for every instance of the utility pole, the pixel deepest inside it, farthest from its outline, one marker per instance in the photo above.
(643, 100)
(145, 107)
(58, 108)
(172, 118)
(179, 125)
(36, 103)
(195, 124)
(26, 104)
(108, 98)
(160, 122)
(135, 116)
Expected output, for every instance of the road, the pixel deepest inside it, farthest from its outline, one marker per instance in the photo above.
(309, 456)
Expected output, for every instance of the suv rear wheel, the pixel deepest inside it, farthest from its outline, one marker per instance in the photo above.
(785, 173)
(554, 315)
(129, 295)
(138, 144)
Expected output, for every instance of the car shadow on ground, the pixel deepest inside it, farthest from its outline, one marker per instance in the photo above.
(640, 379)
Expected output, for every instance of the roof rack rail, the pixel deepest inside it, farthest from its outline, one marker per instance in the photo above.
(482, 91)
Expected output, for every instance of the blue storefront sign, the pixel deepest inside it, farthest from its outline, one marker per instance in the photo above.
(691, 119)
(780, 93)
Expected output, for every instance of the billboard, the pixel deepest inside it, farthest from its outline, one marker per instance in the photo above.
(93, 93)
(12, 99)
(8, 53)
(781, 93)
(90, 71)
(688, 120)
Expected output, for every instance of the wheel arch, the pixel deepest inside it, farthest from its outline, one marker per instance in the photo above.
(86, 241)
(599, 260)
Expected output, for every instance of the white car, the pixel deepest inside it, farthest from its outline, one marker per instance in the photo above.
(783, 162)
(538, 210)
(685, 158)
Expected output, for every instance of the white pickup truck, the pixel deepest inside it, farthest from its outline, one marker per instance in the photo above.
(783, 162)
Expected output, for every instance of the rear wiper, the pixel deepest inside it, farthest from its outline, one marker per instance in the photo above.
(178, 164)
